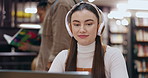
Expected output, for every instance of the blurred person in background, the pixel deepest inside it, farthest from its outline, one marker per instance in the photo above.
(41, 11)
(55, 37)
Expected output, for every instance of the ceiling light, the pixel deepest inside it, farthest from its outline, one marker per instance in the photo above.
(91, 0)
(142, 14)
(118, 14)
(124, 22)
(30, 10)
(133, 5)
(32, 26)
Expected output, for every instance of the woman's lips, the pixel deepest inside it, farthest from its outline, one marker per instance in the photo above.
(83, 36)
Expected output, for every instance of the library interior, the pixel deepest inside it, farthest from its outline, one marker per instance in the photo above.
(126, 28)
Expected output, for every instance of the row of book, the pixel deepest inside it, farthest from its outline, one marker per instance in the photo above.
(142, 66)
(142, 35)
(116, 38)
(143, 76)
(141, 21)
(141, 50)
(116, 27)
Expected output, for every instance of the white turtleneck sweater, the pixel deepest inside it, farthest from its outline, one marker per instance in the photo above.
(115, 65)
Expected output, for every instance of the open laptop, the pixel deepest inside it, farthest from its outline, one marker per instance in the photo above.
(33, 74)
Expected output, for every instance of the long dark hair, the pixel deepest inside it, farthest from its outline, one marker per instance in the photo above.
(98, 67)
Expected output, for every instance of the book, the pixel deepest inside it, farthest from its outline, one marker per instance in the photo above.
(23, 35)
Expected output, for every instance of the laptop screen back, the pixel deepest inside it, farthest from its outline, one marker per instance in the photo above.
(32, 74)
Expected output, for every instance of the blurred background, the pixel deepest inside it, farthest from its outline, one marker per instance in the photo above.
(126, 28)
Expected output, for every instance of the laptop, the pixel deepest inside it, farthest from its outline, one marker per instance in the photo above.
(35, 74)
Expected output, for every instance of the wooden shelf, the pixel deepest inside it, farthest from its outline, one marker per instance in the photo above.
(15, 63)
(116, 43)
(16, 60)
(118, 32)
(140, 26)
(143, 72)
(141, 42)
(17, 54)
(142, 56)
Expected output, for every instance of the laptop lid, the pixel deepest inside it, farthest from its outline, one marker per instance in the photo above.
(33, 74)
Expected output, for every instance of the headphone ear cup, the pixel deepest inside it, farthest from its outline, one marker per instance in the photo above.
(102, 25)
(100, 28)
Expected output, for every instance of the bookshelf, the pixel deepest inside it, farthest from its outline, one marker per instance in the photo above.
(16, 60)
(118, 35)
(138, 47)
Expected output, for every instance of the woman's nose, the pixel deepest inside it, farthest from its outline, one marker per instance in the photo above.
(82, 29)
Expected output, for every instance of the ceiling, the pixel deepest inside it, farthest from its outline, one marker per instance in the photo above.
(110, 3)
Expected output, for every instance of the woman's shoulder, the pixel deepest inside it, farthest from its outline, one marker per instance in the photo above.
(112, 51)
(113, 55)
(63, 53)
(62, 56)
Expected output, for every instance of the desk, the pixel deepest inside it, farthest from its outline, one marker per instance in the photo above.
(16, 60)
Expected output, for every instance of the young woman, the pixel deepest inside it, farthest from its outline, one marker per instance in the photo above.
(85, 24)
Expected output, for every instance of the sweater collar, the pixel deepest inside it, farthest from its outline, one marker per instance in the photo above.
(86, 49)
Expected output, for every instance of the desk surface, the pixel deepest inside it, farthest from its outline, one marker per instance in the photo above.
(18, 54)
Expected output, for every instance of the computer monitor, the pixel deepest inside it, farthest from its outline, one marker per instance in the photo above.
(33, 74)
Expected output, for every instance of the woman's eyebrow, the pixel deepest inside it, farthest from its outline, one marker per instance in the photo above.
(89, 20)
(75, 21)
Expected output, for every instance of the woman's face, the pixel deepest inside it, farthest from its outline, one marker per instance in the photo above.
(84, 26)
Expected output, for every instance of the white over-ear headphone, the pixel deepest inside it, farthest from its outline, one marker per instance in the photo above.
(100, 13)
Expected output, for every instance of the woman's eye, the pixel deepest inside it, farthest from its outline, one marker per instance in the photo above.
(76, 24)
(89, 24)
